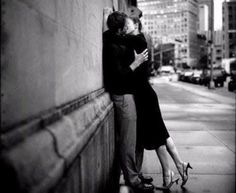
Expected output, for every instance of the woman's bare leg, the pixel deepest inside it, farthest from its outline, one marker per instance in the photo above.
(163, 157)
(181, 166)
(171, 148)
(168, 174)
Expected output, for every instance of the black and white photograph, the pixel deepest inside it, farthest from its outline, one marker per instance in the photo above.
(118, 96)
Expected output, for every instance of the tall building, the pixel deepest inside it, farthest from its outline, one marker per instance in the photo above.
(210, 5)
(218, 53)
(203, 24)
(229, 28)
(173, 21)
(204, 33)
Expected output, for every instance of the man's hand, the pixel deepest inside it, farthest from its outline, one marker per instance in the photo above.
(139, 59)
(106, 12)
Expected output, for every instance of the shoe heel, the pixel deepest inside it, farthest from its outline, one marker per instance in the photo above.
(189, 166)
(172, 181)
(185, 171)
(177, 181)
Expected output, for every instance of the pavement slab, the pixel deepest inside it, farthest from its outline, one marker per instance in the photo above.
(188, 125)
(196, 184)
(227, 125)
(204, 160)
(225, 137)
(201, 184)
(194, 138)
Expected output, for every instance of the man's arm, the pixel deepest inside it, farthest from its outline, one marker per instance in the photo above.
(114, 65)
(139, 59)
(137, 42)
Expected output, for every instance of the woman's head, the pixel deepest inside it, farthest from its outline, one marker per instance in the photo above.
(137, 22)
(116, 21)
(132, 25)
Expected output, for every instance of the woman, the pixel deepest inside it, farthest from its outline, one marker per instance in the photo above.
(151, 130)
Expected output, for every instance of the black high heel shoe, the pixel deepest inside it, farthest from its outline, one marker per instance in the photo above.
(171, 182)
(185, 173)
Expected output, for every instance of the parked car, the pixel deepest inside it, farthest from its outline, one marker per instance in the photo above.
(187, 75)
(232, 82)
(219, 77)
(232, 85)
(196, 77)
(181, 75)
(166, 70)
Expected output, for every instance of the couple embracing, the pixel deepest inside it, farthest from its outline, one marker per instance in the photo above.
(138, 121)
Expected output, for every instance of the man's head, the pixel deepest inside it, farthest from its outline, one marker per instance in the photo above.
(116, 21)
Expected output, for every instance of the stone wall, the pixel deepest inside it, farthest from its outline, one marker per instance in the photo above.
(73, 154)
(52, 54)
(57, 122)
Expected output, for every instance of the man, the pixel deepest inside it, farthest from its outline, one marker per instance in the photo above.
(120, 62)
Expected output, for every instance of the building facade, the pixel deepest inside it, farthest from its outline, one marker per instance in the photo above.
(229, 28)
(172, 21)
(203, 18)
(218, 44)
(210, 6)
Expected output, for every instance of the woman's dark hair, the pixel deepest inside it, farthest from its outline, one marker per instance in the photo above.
(136, 20)
(116, 20)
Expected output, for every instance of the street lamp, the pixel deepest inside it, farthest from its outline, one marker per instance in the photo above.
(161, 55)
(211, 84)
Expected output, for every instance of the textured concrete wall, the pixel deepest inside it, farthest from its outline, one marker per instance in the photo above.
(57, 123)
(52, 54)
(74, 154)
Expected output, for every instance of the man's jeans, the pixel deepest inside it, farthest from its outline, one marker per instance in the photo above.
(125, 120)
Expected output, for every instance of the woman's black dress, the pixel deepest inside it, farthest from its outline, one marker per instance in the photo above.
(151, 130)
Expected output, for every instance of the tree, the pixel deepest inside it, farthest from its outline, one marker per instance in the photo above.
(203, 62)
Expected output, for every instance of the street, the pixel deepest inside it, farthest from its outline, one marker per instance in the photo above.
(202, 125)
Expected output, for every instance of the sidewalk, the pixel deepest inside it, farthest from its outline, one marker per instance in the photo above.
(204, 134)
(220, 94)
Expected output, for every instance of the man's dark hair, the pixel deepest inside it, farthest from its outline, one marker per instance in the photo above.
(116, 20)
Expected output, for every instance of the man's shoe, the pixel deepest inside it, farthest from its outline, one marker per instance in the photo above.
(146, 179)
(143, 188)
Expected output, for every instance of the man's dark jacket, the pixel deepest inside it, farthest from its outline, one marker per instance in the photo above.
(118, 76)
(118, 54)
